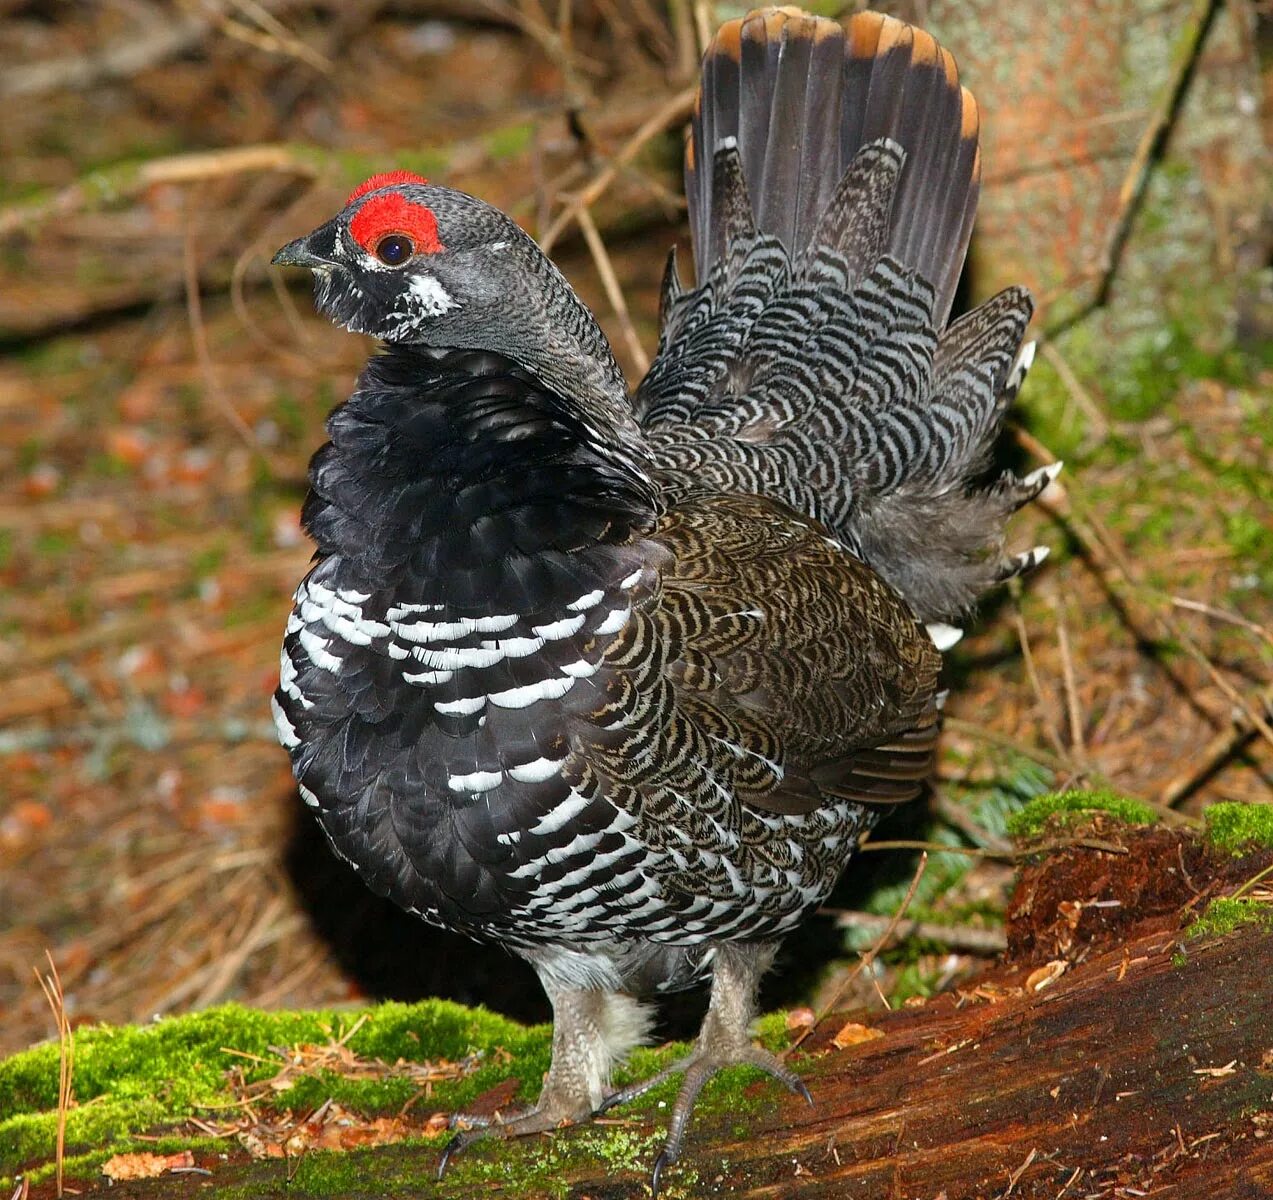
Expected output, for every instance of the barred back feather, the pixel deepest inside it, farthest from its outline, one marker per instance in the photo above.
(832, 177)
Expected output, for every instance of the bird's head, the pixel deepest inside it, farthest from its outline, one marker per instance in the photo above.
(415, 264)
(407, 262)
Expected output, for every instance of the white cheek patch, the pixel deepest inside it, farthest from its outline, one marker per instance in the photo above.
(422, 298)
(432, 297)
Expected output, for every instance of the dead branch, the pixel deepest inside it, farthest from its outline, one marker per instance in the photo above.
(51, 986)
(1143, 605)
(663, 118)
(164, 39)
(116, 185)
(614, 293)
(886, 936)
(1218, 751)
(966, 938)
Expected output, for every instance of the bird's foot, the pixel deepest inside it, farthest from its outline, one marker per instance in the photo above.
(544, 1117)
(710, 1056)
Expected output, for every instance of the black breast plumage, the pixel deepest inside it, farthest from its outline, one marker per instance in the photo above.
(528, 702)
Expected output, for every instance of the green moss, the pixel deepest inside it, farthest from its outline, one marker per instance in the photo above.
(209, 560)
(55, 543)
(354, 167)
(290, 416)
(133, 1079)
(1159, 361)
(1224, 916)
(404, 1167)
(1070, 808)
(1238, 827)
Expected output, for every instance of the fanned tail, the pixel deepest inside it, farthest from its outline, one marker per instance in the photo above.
(798, 97)
(832, 175)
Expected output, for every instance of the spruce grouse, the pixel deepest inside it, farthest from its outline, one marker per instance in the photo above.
(620, 681)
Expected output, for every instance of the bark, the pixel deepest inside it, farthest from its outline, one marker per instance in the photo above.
(1133, 1070)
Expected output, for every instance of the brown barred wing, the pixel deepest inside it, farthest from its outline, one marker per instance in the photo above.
(770, 664)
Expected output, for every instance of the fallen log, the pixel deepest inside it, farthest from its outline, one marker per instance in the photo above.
(1124, 1049)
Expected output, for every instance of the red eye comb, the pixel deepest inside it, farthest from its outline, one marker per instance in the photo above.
(385, 179)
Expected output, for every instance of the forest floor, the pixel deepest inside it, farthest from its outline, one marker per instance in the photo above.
(162, 388)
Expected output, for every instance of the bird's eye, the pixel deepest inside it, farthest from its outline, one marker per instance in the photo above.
(394, 249)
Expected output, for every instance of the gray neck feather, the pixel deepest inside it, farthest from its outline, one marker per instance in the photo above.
(518, 304)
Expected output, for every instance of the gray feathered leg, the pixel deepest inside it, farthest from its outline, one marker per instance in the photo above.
(592, 1029)
(724, 1040)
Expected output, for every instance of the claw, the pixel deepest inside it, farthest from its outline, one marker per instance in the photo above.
(800, 1088)
(664, 1160)
(635, 1090)
(454, 1146)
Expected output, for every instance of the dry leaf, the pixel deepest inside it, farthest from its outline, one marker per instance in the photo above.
(799, 1019)
(144, 1165)
(853, 1034)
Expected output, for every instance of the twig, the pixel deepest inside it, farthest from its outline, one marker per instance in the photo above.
(958, 816)
(869, 957)
(273, 36)
(1218, 751)
(1032, 675)
(1081, 396)
(682, 22)
(120, 59)
(308, 364)
(51, 986)
(530, 18)
(1152, 141)
(1015, 1177)
(1072, 705)
(126, 181)
(614, 293)
(982, 733)
(958, 937)
(1078, 1171)
(668, 114)
(935, 848)
(1219, 614)
(199, 334)
(1251, 883)
(704, 22)
(1030, 851)
(267, 928)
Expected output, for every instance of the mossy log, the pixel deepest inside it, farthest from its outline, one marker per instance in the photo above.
(1125, 1048)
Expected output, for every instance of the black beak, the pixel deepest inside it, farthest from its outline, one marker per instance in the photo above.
(307, 251)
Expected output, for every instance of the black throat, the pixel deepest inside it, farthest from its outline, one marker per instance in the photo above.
(460, 471)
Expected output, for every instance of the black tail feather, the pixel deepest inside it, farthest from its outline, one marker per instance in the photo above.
(781, 84)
